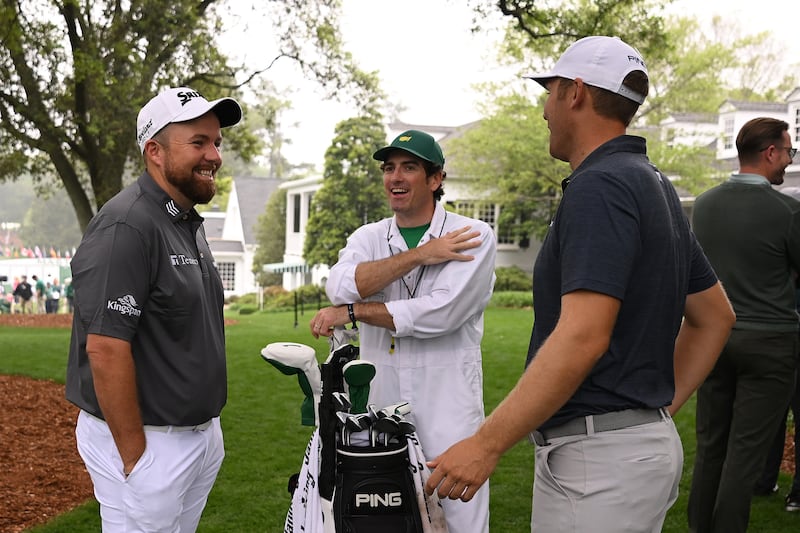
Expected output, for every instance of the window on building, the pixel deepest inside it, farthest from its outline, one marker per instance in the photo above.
(296, 213)
(797, 125)
(487, 212)
(728, 136)
(227, 272)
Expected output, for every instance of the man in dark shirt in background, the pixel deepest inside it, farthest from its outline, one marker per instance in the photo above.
(751, 234)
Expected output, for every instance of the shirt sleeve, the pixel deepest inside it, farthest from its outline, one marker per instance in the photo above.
(702, 274)
(600, 241)
(450, 293)
(111, 281)
(341, 285)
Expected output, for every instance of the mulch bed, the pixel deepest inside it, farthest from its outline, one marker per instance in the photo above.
(42, 475)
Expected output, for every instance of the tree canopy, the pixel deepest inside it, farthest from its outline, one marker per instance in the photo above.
(691, 70)
(352, 189)
(76, 74)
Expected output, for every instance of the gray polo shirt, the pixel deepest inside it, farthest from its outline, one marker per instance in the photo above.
(144, 273)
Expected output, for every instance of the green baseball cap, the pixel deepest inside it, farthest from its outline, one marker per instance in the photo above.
(414, 142)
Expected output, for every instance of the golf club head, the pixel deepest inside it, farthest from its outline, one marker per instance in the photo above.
(388, 426)
(341, 402)
(343, 355)
(401, 408)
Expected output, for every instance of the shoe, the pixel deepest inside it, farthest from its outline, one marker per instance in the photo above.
(793, 501)
(766, 492)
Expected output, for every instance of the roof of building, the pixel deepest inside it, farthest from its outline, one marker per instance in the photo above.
(710, 118)
(253, 193)
(219, 245)
(743, 105)
(213, 226)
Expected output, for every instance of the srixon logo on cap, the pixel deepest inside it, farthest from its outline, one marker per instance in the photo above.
(185, 96)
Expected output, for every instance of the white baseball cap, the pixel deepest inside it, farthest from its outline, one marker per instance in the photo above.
(600, 62)
(180, 104)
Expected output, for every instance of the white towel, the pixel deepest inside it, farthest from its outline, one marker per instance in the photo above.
(430, 509)
(305, 513)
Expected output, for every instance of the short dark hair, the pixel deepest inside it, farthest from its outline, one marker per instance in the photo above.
(758, 134)
(616, 106)
(612, 105)
(430, 170)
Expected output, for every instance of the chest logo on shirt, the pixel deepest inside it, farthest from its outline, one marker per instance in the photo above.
(181, 260)
(125, 305)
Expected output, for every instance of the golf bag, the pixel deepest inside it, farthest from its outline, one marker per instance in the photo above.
(344, 488)
(375, 491)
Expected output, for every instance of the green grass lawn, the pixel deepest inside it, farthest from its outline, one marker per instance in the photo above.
(265, 441)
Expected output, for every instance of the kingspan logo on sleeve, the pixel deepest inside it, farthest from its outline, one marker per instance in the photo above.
(125, 305)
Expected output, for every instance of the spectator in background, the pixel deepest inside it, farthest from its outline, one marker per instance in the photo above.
(768, 483)
(69, 294)
(39, 290)
(755, 254)
(24, 294)
(53, 296)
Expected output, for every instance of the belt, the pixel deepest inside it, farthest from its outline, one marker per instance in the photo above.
(588, 425)
(178, 429)
(166, 429)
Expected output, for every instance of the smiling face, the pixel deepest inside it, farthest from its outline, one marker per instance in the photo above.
(409, 190)
(782, 159)
(188, 156)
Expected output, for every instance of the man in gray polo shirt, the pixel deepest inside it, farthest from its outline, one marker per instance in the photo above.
(147, 356)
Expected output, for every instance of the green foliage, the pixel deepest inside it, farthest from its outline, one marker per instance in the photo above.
(271, 238)
(77, 73)
(685, 77)
(307, 296)
(695, 166)
(545, 29)
(352, 189)
(507, 155)
(516, 299)
(512, 278)
(264, 441)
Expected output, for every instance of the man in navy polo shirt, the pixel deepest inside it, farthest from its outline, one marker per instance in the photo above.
(147, 356)
(629, 319)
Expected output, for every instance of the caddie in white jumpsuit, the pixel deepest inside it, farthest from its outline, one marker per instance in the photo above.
(418, 284)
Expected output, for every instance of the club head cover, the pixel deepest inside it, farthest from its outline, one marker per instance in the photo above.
(358, 374)
(300, 360)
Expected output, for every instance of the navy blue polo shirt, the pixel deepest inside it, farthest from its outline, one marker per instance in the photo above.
(620, 231)
(144, 273)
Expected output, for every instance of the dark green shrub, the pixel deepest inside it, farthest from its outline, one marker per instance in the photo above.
(517, 299)
(512, 278)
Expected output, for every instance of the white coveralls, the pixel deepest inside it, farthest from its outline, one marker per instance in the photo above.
(433, 359)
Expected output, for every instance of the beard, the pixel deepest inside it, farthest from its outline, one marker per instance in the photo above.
(199, 191)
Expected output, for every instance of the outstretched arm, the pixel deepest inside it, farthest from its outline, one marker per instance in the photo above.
(580, 338)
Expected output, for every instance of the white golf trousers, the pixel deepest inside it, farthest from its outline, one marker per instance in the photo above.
(169, 486)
